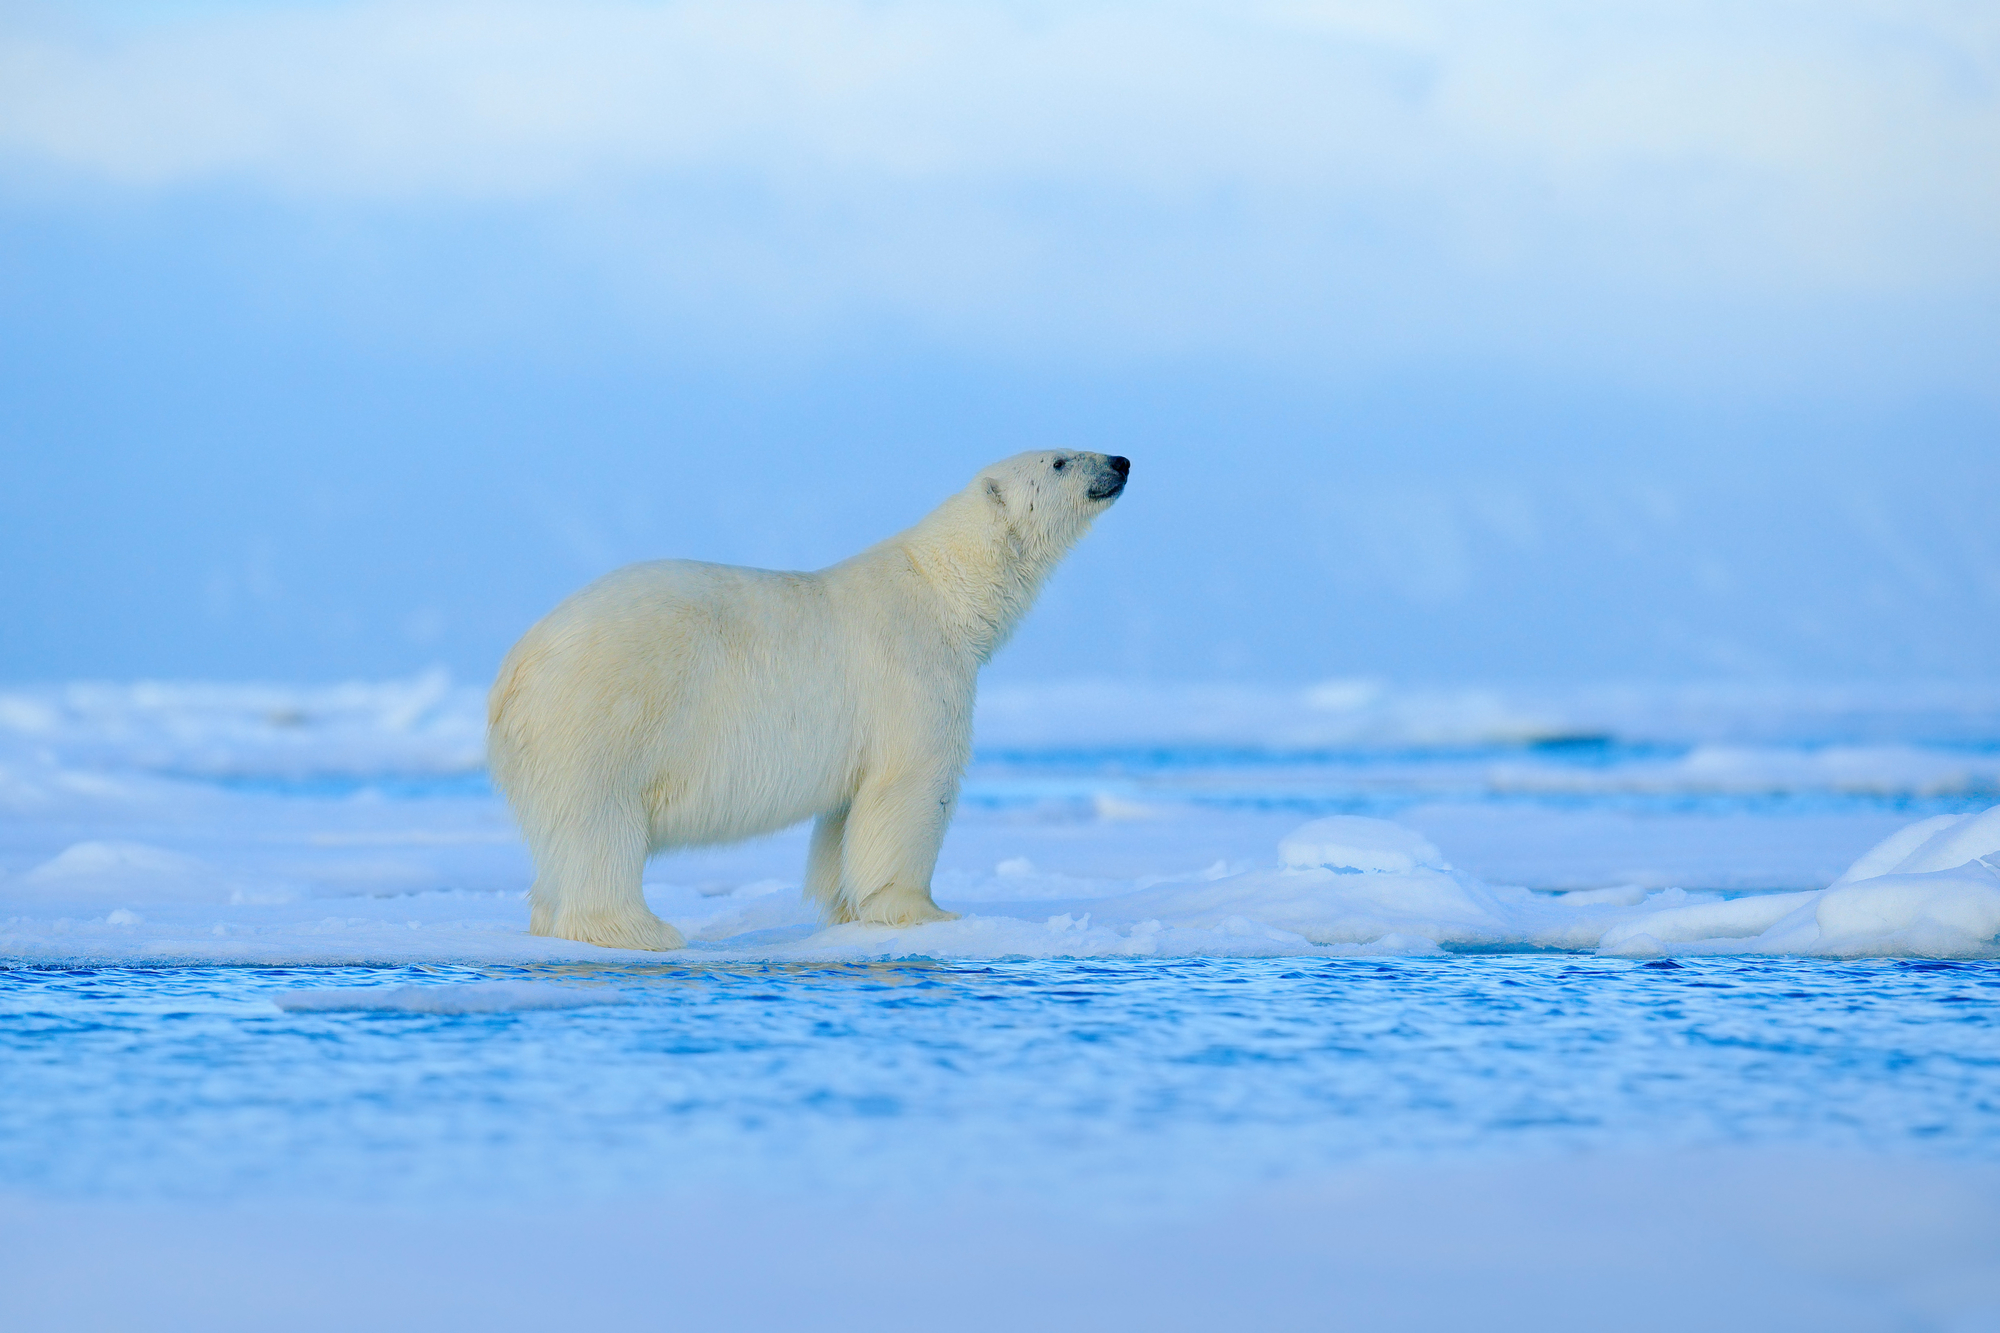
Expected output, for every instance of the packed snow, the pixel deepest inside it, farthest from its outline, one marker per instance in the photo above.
(351, 824)
(1931, 890)
(1344, 885)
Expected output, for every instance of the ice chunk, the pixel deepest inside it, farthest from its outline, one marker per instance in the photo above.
(1327, 907)
(1887, 854)
(1737, 918)
(1945, 913)
(1971, 838)
(1348, 881)
(1927, 890)
(1350, 842)
(1938, 843)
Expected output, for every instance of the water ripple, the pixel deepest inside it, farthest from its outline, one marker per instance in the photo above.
(1101, 1075)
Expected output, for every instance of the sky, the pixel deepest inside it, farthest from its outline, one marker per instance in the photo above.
(1449, 342)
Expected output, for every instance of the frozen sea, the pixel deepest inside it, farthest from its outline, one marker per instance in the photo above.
(1344, 1006)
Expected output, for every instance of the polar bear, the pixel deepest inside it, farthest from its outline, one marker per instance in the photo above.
(676, 703)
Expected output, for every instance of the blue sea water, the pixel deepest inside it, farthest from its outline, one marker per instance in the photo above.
(1109, 1080)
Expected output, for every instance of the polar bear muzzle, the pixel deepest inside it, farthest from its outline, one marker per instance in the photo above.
(1111, 476)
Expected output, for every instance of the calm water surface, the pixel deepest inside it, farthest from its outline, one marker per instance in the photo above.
(1126, 1078)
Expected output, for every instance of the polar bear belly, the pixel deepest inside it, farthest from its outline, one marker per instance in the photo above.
(741, 758)
(718, 703)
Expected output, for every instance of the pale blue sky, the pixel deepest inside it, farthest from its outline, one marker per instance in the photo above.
(1450, 342)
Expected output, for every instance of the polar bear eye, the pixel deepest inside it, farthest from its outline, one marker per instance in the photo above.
(1059, 463)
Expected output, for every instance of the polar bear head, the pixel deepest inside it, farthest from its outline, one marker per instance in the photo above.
(1045, 500)
(989, 548)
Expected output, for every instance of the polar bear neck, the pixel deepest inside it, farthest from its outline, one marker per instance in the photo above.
(986, 573)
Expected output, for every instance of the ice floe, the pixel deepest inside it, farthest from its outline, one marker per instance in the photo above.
(1340, 886)
(1351, 885)
(1931, 890)
(190, 822)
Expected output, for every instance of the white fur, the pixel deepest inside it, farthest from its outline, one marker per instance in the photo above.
(677, 703)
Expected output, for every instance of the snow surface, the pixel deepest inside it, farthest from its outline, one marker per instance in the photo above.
(261, 824)
(129, 901)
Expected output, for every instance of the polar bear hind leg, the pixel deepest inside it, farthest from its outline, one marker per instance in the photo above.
(588, 886)
(823, 868)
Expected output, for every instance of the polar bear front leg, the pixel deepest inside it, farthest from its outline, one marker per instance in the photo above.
(889, 848)
(588, 886)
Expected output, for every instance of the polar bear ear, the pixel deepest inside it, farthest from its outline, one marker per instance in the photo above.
(995, 494)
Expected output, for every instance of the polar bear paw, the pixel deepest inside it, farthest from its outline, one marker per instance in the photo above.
(903, 909)
(636, 931)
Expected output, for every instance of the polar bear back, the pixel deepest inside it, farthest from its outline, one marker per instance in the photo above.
(726, 702)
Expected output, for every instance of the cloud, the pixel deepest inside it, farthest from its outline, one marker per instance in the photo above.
(1155, 175)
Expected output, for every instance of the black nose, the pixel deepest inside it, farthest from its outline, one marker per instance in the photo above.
(1106, 487)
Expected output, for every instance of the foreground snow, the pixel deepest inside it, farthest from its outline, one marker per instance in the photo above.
(351, 824)
(1718, 1242)
(1344, 885)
